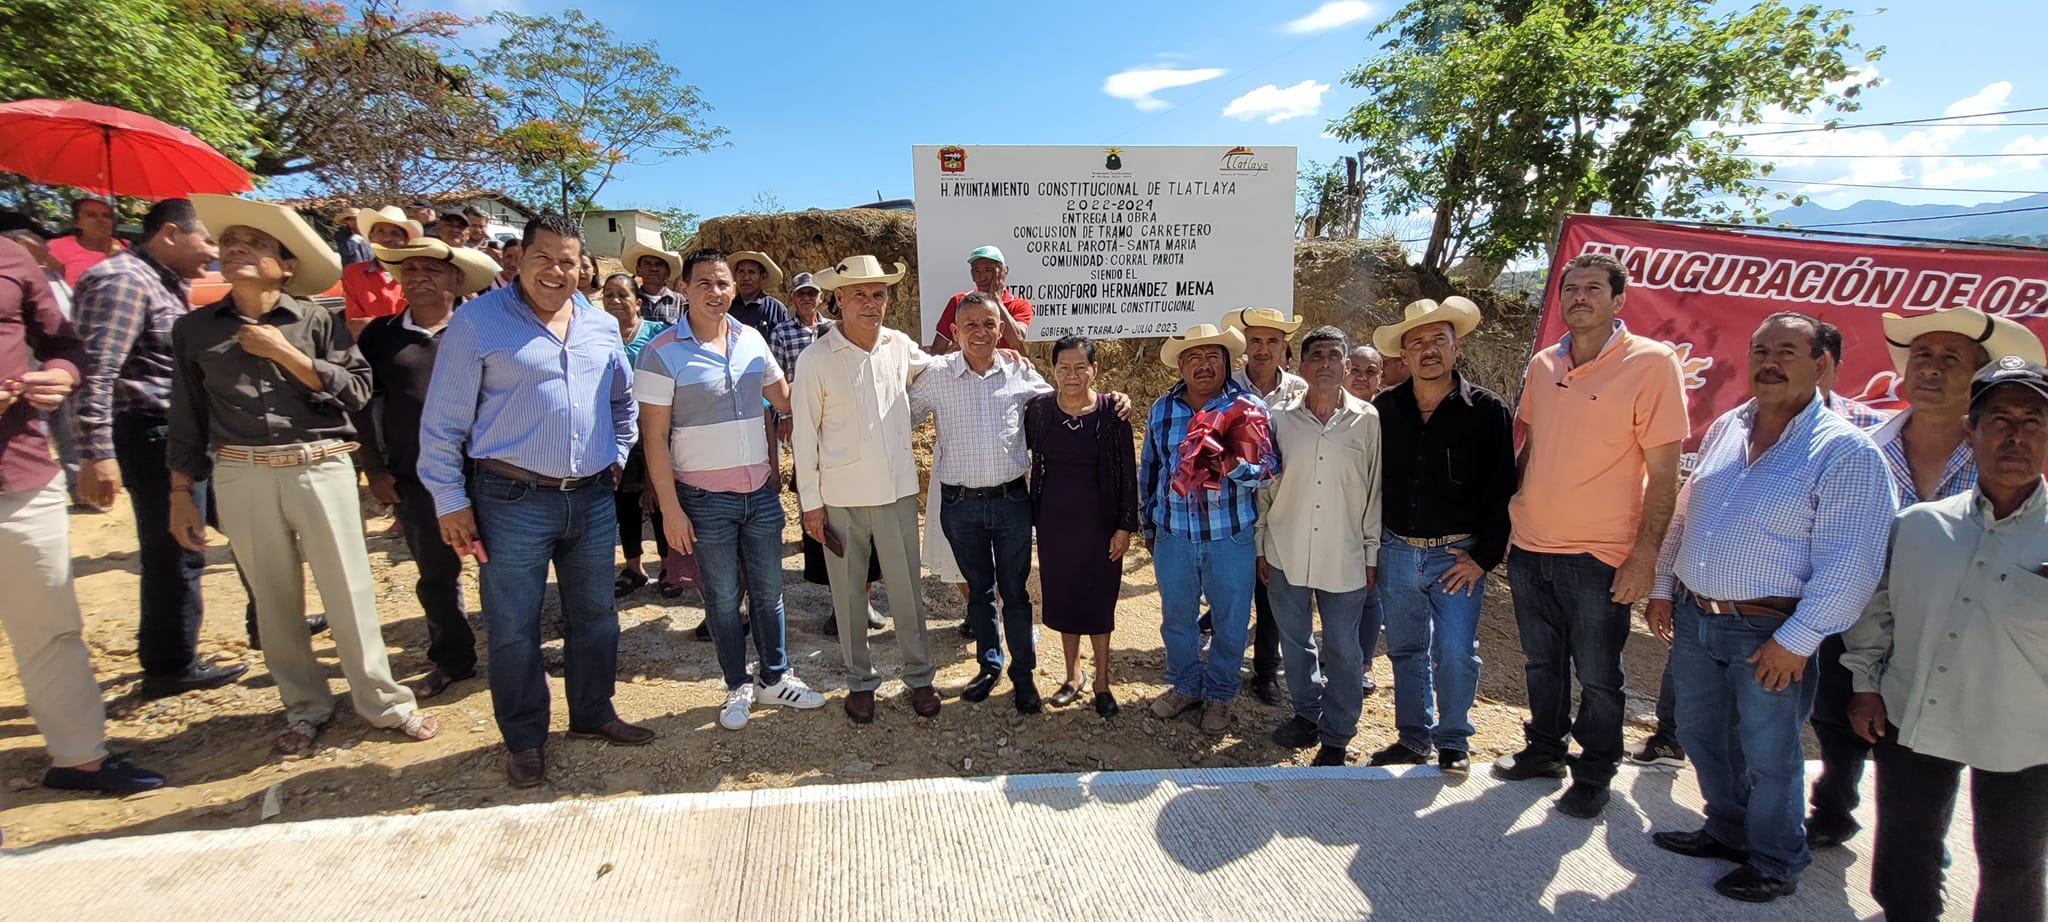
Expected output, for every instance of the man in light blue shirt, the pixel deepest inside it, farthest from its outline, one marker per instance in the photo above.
(532, 386)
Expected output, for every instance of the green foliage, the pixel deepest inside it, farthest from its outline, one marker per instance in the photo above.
(677, 226)
(763, 202)
(1504, 116)
(1319, 198)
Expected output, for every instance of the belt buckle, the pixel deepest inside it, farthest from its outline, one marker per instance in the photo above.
(278, 459)
(566, 484)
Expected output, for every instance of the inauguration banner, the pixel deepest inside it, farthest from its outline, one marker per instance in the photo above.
(1704, 290)
(1109, 242)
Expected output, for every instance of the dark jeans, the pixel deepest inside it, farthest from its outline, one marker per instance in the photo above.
(451, 645)
(1667, 704)
(739, 546)
(991, 539)
(1570, 623)
(632, 525)
(1842, 752)
(525, 528)
(168, 638)
(1916, 796)
(1265, 636)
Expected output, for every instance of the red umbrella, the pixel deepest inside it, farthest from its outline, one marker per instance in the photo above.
(111, 151)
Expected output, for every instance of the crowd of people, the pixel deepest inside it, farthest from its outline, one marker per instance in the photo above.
(1879, 575)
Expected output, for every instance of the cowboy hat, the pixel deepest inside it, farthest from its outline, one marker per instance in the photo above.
(1997, 335)
(631, 259)
(1460, 313)
(774, 272)
(389, 214)
(319, 267)
(1244, 318)
(476, 268)
(1202, 334)
(856, 270)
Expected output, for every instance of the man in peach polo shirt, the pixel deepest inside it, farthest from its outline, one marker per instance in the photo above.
(1605, 411)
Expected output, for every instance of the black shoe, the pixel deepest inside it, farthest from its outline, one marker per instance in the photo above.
(966, 629)
(1105, 704)
(1697, 844)
(1584, 800)
(1397, 754)
(115, 775)
(978, 689)
(315, 626)
(704, 629)
(1330, 755)
(196, 677)
(1026, 692)
(1205, 624)
(1453, 761)
(1659, 750)
(1526, 764)
(1296, 733)
(1830, 831)
(1268, 692)
(1370, 686)
(830, 626)
(1751, 886)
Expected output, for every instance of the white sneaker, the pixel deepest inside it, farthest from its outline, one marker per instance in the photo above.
(790, 692)
(738, 702)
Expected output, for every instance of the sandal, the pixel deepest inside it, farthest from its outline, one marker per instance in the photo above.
(629, 579)
(297, 737)
(433, 683)
(419, 725)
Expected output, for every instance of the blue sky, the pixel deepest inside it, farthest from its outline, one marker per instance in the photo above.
(824, 100)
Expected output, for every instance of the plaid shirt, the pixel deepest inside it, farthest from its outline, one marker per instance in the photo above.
(124, 308)
(1959, 475)
(1859, 414)
(1198, 517)
(787, 341)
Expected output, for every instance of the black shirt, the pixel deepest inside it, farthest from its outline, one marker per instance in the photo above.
(221, 395)
(1452, 475)
(401, 357)
(764, 314)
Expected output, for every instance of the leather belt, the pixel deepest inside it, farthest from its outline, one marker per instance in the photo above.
(1432, 542)
(995, 492)
(1774, 607)
(515, 472)
(283, 455)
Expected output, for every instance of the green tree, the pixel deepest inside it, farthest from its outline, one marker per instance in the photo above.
(1504, 116)
(677, 226)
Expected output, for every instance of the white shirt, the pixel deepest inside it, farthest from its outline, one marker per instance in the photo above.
(1319, 522)
(980, 418)
(851, 435)
(1288, 387)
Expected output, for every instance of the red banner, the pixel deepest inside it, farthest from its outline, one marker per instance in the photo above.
(1703, 291)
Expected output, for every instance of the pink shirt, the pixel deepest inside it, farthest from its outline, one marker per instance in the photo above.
(76, 258)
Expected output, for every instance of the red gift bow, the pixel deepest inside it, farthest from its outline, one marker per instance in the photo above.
(1215, 443)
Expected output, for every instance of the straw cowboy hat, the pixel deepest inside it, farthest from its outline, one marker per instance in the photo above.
(856, 270)
(1202, 334)
(477, 269)
(1245, 318)
(631, 259)
(319, 267)
(389, 214)
(1997, 335)
(774, 279)
(1460, 313)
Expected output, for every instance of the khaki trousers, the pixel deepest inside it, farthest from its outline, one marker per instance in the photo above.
(40, 615)
(893, 530)
(280, 519)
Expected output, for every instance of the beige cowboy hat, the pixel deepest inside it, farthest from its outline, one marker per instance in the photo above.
(319, 267)
(1202, 334)
(856, 270)
(389, 214)
(1244, 318)
(774, 279)
(1998, 335)
(477, 269)
(1460, 313)
(630, 258)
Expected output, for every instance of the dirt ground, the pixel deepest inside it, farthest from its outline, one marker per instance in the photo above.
(216, 746)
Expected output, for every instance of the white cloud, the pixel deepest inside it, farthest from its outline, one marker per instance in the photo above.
(1139, 83)
(1333, 15)
(1276, 104)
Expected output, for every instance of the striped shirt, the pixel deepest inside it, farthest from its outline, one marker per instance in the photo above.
(124, 309)
(980, 418)
(1200, 516)
(1800, 522)
(1958, 475)
(504, 387)
(716, 441)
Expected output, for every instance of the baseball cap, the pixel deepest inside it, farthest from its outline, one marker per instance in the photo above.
(2010, 369)
(986, 253)
(801, 281)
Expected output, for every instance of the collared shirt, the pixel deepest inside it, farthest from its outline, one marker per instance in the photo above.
(1958, 474)
(1020, 311)
(222, 395)
(644, 334)
(401, 358)
(851, 438)
(506, 387)
(715, 437)
(1956, 637)
(1800, 522)
(665, 306)
(1286, 388)
(788, 342)
(1199, 516)
(125, 307)
(1451, 475)
(1319, 522)
(1859, 414)
(354, 249)
(369, 292)
(76, 258)
(1590, 427)
(787, 338)
(31, 326)
(980, 417)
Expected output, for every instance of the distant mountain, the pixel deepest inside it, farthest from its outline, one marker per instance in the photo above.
(1970, 223)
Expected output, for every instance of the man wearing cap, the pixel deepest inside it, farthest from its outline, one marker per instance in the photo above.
(1265, 374)
(991, 276)
(1447, 470)
(400, 351)
(367, 290)
(655, 268)
(1605, 416)
(1946, 665)
(1778, 541)
(1197, 516)
(452, 227)
(856, 478)
(259, 405)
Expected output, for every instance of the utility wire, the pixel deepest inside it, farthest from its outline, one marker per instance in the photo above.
(1938, 217)
(1906, 121)
(1866, 185)
(1884, 156)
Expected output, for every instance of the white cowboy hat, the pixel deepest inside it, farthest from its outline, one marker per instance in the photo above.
(389, 214)
(857, 270)
(477, 269)
(319, 267)
(631, 259)
(1202, 334)
(774, 279)
(1998, 335)
(1460, 313)
(1244, 318)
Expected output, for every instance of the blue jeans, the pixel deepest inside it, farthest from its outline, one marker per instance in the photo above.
(991, 540)
(1187, 572)
(1432, 642)
(1332, 706)
(739, 539)
(524, 528)
(1743, 739)
(1569, 622)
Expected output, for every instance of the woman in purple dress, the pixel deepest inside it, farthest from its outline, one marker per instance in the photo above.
(1084, 502)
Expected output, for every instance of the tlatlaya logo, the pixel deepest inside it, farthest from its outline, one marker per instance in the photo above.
(952, 160)
(1241, 160)
(1115, 159)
